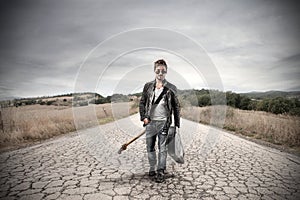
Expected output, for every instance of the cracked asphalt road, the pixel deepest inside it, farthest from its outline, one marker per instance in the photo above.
(85, 165)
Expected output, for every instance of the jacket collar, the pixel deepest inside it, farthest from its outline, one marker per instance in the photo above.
(165, 82)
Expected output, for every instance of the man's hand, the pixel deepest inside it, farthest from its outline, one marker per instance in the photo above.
(146, 121)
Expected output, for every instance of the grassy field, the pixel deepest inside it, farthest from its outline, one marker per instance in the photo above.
(277, 129)
(26, 124)
(38, 122)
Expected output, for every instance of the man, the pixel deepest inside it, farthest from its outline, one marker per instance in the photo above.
(158, 102)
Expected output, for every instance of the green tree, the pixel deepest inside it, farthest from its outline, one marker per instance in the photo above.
(233, 99)
(192, 99)
(263, 105)
(217, 97)
(204, 100)
(253, 105)
(244, 103)
(280, 105)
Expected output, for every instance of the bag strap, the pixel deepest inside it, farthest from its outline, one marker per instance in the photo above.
(160, 96)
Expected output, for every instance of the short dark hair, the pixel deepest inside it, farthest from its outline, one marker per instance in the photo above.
(160, 62)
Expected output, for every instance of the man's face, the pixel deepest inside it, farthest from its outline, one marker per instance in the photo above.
(160, 72)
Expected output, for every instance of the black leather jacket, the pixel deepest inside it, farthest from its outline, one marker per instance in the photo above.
(172, 103)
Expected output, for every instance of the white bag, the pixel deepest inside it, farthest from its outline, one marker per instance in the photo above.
(175, 148)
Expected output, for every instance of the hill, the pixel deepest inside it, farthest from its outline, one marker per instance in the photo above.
(272, 94)
(58, 100)
(71, 99)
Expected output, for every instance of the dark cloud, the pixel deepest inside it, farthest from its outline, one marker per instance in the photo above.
(43, 43)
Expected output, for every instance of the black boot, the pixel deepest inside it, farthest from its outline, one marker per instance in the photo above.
(152, 173)
(160, 176)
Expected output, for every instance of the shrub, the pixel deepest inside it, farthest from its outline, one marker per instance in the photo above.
(49, 103)
(83, 103)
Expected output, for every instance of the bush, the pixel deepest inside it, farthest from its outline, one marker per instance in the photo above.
(101, 101)
(204, 100)
(49, 103)
(233, 99)
(83, 103)
(295, 111)
(245, 103)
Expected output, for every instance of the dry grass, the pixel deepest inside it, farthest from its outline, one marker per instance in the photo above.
(277, 129)
(39, 122)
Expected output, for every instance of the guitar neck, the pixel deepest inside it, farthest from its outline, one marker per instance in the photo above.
(133, 139)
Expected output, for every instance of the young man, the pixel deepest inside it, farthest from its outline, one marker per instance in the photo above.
(158, 102)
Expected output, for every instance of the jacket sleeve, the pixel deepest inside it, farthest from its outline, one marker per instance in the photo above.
(176, 108)
(142, 105)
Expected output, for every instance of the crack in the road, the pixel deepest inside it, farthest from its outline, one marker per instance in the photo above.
(87, 166)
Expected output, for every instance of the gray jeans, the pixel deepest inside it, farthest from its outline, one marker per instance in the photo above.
(153, 131)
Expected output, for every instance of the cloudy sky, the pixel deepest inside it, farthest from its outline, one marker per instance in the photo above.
(62, 46)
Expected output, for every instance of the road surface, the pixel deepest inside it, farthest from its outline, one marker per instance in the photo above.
(85, 165)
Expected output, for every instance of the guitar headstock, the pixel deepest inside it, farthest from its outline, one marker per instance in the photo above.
(123, 147)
